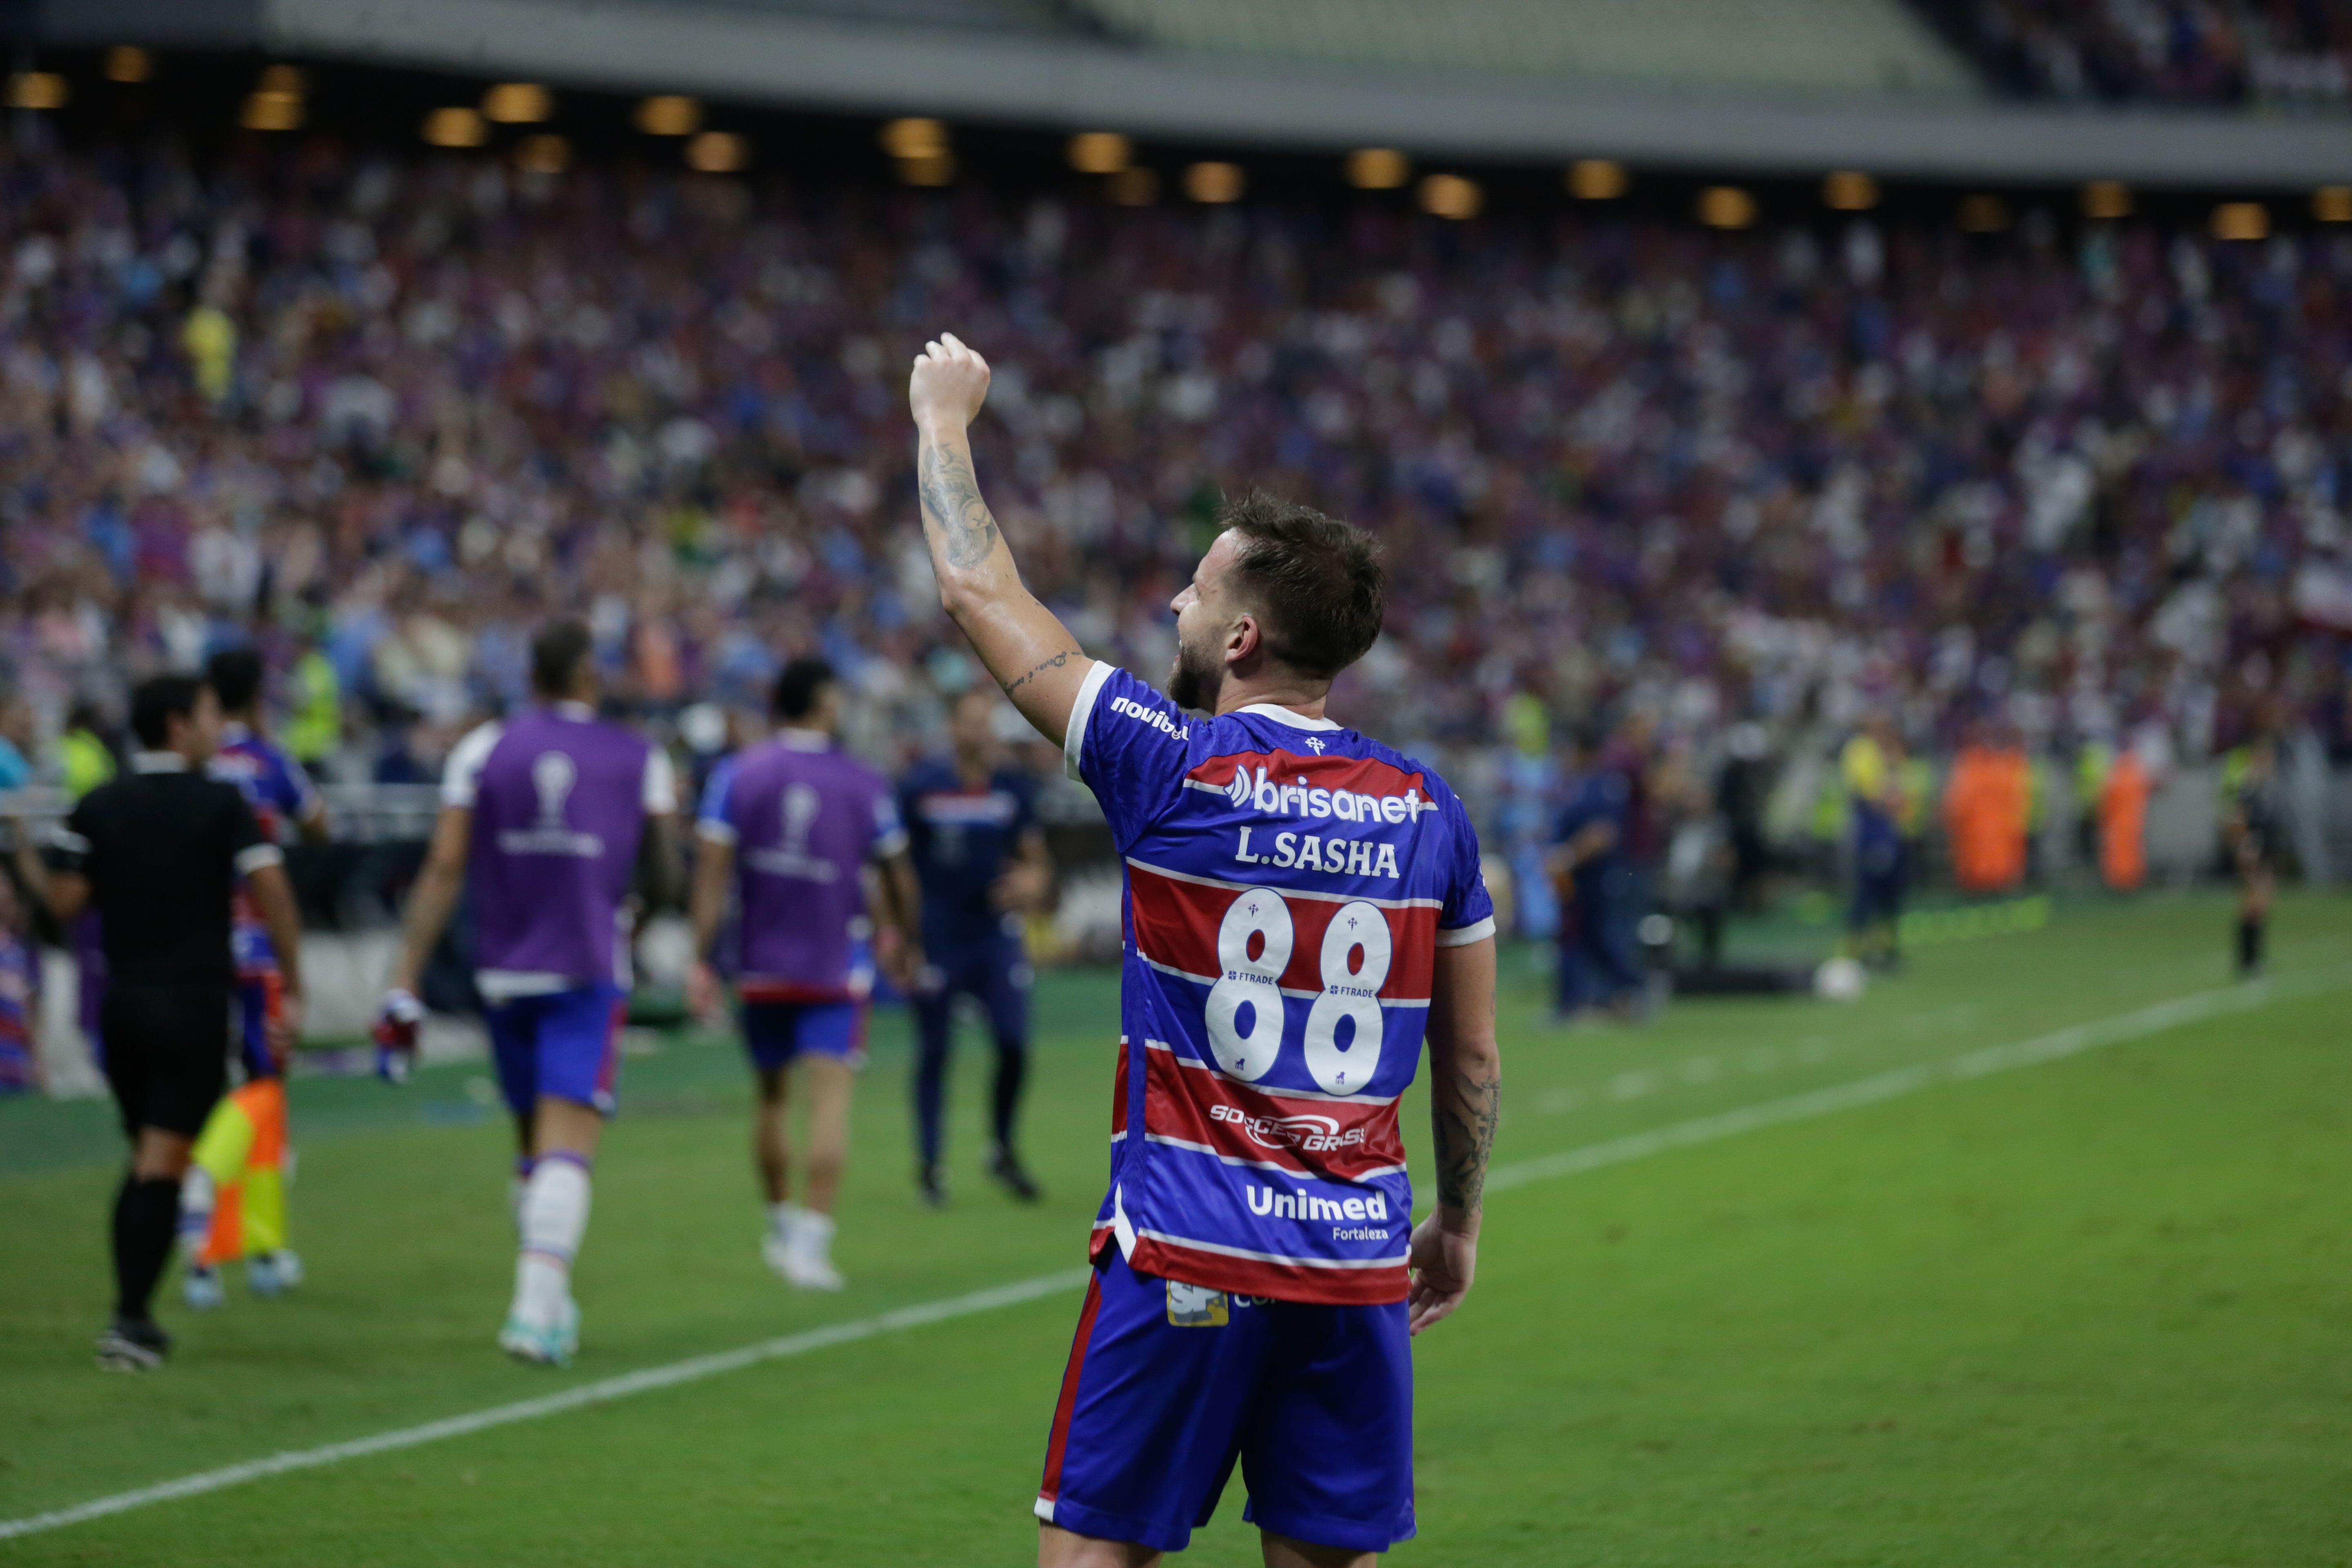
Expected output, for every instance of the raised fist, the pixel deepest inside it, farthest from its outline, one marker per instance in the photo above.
(949, 385)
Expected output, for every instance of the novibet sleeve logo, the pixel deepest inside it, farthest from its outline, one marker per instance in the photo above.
(1151, 716)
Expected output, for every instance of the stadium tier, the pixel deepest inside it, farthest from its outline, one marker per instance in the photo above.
(2278, 53)
(1822, 46)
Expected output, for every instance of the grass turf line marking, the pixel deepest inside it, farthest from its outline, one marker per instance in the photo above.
(2072, 1041)
(2195, 1007)
(587, 1393)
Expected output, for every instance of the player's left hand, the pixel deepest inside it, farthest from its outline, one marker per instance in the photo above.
(1442, 1262)
(901, 960)
(706, 996)
(1020, 891)
(283, 1032)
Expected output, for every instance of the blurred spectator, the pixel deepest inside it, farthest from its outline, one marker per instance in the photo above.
(18, 743)
(1624, 469)
(20, 996)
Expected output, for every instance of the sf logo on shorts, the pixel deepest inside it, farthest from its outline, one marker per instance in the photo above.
(1195, 1306)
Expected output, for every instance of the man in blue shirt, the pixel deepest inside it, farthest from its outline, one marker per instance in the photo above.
(1592, 869)
(971, 822)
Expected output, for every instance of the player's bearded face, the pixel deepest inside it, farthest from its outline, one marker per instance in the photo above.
(1194, 678)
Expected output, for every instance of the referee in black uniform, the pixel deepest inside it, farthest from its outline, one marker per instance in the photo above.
(158, 851)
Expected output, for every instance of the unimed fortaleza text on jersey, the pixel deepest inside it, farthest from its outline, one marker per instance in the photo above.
(1288, 884)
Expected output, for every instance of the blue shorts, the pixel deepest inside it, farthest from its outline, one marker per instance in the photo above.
(1169, 1385)
(566, 1044)
(776, 1032)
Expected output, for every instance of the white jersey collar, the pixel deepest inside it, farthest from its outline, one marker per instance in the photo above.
(158, 762)
(797, 740)
(1295, 719)
(582, 711)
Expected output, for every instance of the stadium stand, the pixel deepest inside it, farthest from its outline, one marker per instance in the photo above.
(1831, 46)
(401, 408)
(1792, 87)
(2280, 53)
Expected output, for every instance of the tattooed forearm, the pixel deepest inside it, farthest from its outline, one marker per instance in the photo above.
(1057, 662)
(1462, 1123)
(966, 530)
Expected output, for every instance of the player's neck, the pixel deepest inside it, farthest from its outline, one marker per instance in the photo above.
(1301, 698)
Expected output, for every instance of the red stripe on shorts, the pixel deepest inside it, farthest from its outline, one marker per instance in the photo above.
(1050, 1487)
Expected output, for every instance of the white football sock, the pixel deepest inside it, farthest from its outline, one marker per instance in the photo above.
(812, 1233)
(554, 1217)
(784, 1218)
(516, 1187)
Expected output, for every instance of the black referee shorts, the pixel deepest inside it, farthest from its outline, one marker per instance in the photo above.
(166, 1053)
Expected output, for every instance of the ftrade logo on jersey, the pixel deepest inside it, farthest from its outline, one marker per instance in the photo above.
(1151, 716)
(1315, 1135)
(1256, 790)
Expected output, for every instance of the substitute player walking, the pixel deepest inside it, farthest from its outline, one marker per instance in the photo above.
(789, 828)
(1303, 903)
(544, 812)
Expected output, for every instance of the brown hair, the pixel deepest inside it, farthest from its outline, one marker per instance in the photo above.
(1316, 581)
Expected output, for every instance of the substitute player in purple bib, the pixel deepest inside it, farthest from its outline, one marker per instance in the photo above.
(1304, 907)
(789, 828)
(544, 812)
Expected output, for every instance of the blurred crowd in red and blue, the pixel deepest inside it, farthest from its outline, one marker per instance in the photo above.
(2088, 481)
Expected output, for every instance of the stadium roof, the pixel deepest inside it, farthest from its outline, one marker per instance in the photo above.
(1126, 64)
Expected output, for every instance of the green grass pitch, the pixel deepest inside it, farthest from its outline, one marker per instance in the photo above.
(2093, 1312)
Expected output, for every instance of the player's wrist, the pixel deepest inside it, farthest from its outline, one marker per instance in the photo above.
(1455, 1220)
(937, 425)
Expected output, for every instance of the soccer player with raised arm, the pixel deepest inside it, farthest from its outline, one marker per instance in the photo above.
(543, 811)
(1302, 907)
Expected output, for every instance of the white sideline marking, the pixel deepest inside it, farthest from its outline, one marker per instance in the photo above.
(2071, 1041)
(611, 1388)
(2074, 1040)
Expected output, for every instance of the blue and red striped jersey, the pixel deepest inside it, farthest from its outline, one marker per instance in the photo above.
(1288, 883)
(281, 796)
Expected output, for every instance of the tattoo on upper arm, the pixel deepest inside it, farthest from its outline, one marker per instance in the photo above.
(1057, 662)
(1465, 1135)
(950, 495)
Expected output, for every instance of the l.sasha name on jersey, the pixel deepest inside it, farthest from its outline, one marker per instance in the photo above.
(1341, 854)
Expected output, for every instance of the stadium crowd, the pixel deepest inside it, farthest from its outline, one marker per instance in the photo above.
(385, 416)
(2170, 52)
